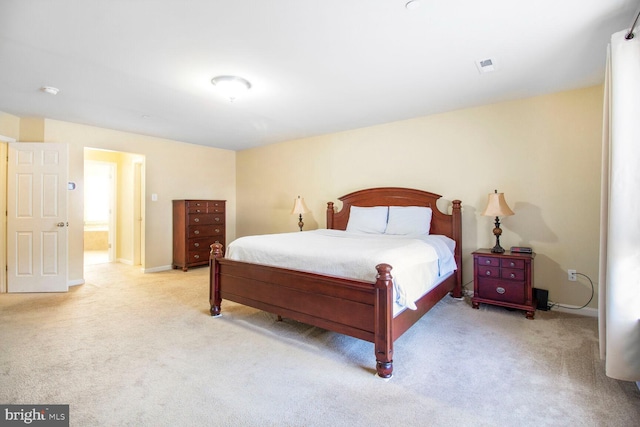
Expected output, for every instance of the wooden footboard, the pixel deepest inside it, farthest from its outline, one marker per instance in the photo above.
(356, 308)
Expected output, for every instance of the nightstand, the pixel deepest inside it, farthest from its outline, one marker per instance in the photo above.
(504, 279)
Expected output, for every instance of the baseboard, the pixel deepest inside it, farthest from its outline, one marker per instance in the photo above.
(156, 269)
(565, 308)
(124, 261)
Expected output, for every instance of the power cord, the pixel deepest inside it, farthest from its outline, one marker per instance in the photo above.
(466, 291)
(577, 308)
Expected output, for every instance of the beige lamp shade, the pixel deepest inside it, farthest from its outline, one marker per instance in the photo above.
(299, 207)
(497, 206)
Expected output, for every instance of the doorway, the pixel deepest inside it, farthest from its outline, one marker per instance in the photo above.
(99, 211)
(113, 207)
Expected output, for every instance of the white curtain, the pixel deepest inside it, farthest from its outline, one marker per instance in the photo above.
(619, 289)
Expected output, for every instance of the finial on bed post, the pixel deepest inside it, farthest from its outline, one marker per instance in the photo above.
(383, 339)
(217, 250)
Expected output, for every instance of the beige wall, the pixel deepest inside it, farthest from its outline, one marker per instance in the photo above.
(543, 153)
(173, 170)
(9, 125)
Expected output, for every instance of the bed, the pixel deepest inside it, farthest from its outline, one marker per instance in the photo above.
(360, 308)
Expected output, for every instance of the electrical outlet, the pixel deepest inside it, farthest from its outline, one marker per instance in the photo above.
(571, 275)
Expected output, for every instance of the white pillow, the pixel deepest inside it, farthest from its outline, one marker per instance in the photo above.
(407, 220)
(368, 220)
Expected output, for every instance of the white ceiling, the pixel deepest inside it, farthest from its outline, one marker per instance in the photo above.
(316, 66)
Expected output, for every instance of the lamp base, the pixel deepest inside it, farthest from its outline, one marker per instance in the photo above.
(497, 249)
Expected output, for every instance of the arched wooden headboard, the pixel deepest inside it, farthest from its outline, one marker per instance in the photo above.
(441, 223)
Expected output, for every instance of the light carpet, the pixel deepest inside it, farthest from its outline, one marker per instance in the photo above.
(141, 349)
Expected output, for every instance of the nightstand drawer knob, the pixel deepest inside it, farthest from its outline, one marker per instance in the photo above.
(196, 219)
(500, 290)
(488, 261)
(196, 256)
(196, 232)
(513, 276)
(512, 264)
(196, 244)
(488, 273)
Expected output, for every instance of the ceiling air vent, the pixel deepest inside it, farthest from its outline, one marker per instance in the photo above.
(485, 65)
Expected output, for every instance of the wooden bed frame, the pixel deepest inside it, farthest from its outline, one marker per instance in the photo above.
(352, 307)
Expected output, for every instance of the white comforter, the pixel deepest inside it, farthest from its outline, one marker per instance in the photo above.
(417, 261)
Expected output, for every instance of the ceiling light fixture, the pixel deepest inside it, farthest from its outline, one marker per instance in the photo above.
(413, 4)
(231, 86)
(50, 90)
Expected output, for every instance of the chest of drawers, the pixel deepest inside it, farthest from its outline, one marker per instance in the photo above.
(197, 224)
(503, 279)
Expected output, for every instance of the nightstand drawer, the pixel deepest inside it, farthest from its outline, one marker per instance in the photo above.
(488, 261)
(512, 274)
(512, 263)
(501, 290)
(484, 271)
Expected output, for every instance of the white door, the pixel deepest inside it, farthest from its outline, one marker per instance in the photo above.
(37, 236)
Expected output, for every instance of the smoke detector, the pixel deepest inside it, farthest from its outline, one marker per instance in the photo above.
(486, 65)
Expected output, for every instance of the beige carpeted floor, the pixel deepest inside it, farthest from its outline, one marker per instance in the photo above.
(140, 349)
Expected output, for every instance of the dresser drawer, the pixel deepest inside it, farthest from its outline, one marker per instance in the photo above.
(201, 243)
(205, 218)
(215, 207)
(502, 290)
(198, 256)
(204, 231)
(512, 274)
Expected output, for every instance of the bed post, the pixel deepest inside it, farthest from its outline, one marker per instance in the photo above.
(457, 236)
(330, 213)
(383, 340)
(214, 278)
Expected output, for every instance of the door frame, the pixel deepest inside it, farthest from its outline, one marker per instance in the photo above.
(4, 153)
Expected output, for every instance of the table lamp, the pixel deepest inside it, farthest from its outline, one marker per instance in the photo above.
(497, 206)
(299, 208)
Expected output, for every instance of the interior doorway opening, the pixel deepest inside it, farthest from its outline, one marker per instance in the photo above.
(99, 211)
(113, 207)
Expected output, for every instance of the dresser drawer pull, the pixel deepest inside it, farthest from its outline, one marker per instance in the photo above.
(196, 256)
(500, 290)
(217, 230)
(512, 264)
(513, 276)
(196, 219)
(197, 245)
(218, 219)
(488, 273)
(488, 261)
(196, 232)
